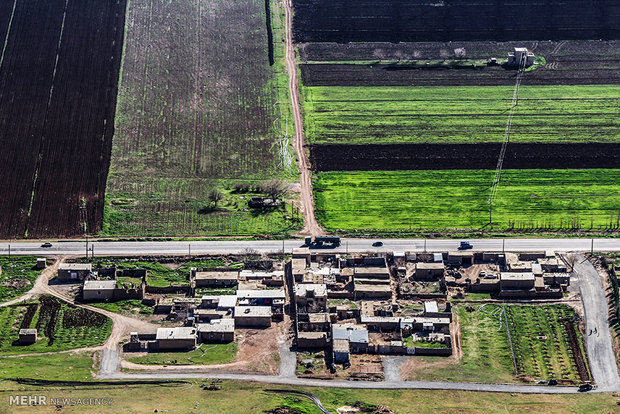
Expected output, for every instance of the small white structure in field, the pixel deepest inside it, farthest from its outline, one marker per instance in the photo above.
(521, 53)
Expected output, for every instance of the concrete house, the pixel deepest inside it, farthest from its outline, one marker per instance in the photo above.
(253, 316)
(521, 54)
(74, 272)
(428, 271)
(98, 289)
(220, 330)
(312, 340)
(176, 338)
(215, 279)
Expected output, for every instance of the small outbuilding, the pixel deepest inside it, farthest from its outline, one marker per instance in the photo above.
(98, 289)
(74, 272)
(27, 336)
(253, 316)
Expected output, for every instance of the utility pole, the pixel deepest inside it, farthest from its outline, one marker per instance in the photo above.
(424, 245)
(592, 247)
(87, 246)
(504, 246)
(347, 244)
(9, 250)
(92, 250)
(189, 249)
(282, 247)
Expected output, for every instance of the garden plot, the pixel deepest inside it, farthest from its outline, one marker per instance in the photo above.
(547, 343)
(59, 326)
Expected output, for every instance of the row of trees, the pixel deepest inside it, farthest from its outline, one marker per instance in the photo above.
(274, 189)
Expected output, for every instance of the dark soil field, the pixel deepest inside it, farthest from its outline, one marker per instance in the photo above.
(203, 99)
(58, 76)
(443, 20)
(384, 64)
(462, 156)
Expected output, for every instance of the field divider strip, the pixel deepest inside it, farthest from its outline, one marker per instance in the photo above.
(512, 351)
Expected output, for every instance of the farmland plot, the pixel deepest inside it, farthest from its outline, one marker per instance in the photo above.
(58, 77)
(59, 326)
(443, 20)
(469, 115)
(199, 106)
(530, 200)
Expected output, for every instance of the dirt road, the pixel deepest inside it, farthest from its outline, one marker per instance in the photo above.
(39, 285)
(311, 226)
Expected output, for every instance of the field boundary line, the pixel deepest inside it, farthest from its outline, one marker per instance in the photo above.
(512, 351)
(8, 32)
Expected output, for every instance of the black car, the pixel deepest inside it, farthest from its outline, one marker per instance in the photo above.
(46, 244)
(377, 244)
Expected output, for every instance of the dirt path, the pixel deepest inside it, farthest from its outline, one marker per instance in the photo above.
(311, 226)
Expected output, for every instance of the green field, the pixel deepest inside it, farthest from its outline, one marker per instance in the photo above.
(130, 307)
(205, 354)
(17, 275)
(200, 107)
(465, 114)
(565, 200)
(59, 327)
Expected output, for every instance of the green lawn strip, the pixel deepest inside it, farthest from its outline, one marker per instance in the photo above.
(205, 354)
(460, 114)
(70, 366)
(130, 306)
(67, 336)
(458, 200)
(17, 276)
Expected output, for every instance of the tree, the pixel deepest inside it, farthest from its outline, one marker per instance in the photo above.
(215, 196)
(275, 188)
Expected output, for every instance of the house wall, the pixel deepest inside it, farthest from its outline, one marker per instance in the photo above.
(176, 343)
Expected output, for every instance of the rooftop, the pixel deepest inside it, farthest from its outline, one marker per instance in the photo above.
(429, 266)
(99, 284)
(302, 290)
(176, 333)
(27, 331)
(227, 301)
(224, 275)
(517, 276)
(253, 311)
(261, 294)
(217, 325)
(75, 266)
(431, 307)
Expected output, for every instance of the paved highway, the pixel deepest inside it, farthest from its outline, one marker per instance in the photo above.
(124, 248)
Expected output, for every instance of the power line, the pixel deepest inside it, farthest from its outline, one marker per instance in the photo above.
(502, 153)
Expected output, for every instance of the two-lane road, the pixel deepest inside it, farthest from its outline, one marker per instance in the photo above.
(132, 248)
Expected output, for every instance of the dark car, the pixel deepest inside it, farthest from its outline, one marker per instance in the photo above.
(46, 244)
(466, 245)
(377, 244)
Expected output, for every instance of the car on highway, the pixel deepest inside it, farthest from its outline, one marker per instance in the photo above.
(466, 245)
(46, 244)
(377, 244)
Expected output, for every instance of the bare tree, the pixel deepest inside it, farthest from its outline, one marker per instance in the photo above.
(275, 188)
(215, 196)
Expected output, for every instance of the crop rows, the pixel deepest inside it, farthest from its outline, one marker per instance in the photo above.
(58, 77)
(371, 115)
(443, 20)
(199, 102)
(541, 342)
(59, 327)
(530, 200)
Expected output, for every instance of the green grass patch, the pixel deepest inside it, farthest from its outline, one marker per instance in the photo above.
(130, 306)
(17, 276)
(554, 200)
(486, 352)
(205, 354)
(460, 114)
(58, 367)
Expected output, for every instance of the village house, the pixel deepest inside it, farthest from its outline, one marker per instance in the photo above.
(220, 330)
(253, 316)
(98, 289)
(74, 272)
(176, 338)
